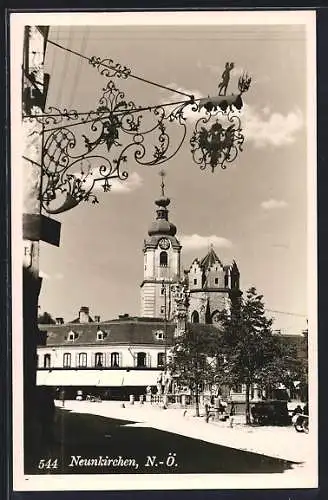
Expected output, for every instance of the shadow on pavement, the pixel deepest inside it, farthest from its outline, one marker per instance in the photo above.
(91, 444)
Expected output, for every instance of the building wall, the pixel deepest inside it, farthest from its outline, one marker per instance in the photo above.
(127, 355)
(152, 299)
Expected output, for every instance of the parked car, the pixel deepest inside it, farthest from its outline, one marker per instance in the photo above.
(270, 412)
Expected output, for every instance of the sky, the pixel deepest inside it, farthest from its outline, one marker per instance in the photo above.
(255, 211)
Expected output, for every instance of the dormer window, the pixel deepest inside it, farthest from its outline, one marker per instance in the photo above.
(101, 335)
(159, 334)
(72, 336)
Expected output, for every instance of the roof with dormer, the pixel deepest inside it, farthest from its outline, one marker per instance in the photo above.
(126, 331)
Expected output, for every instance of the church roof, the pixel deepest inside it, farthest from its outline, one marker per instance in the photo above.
(161, 226)
(210, 259)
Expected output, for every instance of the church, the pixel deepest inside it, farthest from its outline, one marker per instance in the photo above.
(127, 354)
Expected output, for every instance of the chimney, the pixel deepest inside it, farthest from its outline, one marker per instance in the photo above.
(97, 319)
(84, 315)
(59, 321)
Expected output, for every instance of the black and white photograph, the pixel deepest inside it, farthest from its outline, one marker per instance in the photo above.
(164, 273)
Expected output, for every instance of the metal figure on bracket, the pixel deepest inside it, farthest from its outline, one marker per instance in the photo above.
(223, 85)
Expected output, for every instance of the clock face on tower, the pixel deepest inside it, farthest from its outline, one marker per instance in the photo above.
(164, 243)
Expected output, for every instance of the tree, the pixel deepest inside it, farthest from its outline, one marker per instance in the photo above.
(251, 353)
(46, 319)
(192, 362)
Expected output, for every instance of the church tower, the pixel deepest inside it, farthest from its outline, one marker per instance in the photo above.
(161, 262)
(212, 287)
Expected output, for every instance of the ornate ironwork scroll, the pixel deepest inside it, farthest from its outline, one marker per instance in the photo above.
(220, 143)
(76, 158)
(218, 137)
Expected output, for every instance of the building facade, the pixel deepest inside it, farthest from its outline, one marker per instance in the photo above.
(211, 286)
(117, 358)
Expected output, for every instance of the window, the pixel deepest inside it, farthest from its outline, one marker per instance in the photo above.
(195, 317)
(67, 360)
(72, 336)
(195, 281)
(46, 361)
(160, 359)
(163, 259)
(216, 281)
(162, 309)
(37, 360)
(82, 360)
(99, 360)
(159, 334)
(238, 388)
(114, 360)
(100, 335)
(141, 359)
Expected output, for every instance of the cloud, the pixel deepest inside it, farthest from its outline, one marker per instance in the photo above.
(133, 182)
(263, 127)
(273, 204)
(197, 242)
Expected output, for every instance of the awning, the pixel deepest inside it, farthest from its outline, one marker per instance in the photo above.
(94, 378)
(140, 378)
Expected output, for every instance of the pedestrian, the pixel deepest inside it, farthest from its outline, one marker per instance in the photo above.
(232, 409)
(297, 411)
(62, 397)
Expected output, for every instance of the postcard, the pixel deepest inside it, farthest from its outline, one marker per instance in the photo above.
(164, 216)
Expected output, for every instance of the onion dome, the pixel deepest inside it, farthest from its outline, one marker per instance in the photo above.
(161, 225)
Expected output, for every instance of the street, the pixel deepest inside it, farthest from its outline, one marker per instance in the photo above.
(86, 443)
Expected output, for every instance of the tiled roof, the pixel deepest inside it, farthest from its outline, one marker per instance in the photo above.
(129, 332)
(210, 259)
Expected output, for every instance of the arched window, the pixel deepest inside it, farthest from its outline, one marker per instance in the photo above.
(67, 360)
(163, 259)
(115, 359)
(99, 360)
(160, 359)
(82, 360)
(195, 317)
(46, 361)
(141, 359)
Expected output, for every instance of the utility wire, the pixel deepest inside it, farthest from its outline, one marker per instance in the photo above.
(286, 312)
(144, 80)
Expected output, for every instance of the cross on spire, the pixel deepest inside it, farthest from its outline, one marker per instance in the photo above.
(162, 174)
